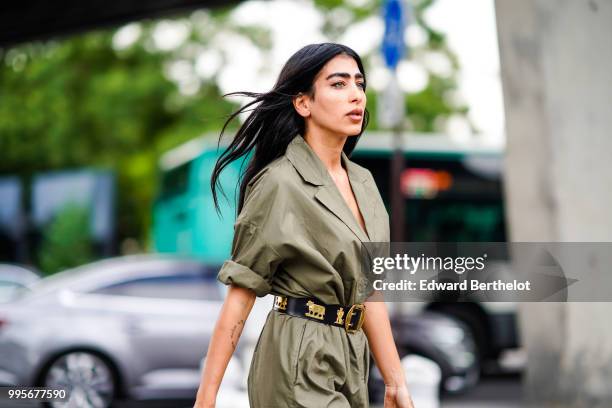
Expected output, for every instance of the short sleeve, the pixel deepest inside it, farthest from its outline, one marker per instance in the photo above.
(254, 261)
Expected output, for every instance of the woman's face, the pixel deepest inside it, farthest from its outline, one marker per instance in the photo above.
(339, 99)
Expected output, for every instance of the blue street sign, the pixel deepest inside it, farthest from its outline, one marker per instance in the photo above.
(393, 40)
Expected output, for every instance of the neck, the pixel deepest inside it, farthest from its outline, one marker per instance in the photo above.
(328, 147)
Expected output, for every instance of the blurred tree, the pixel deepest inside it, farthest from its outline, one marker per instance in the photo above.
(66, 241)
(78, 102)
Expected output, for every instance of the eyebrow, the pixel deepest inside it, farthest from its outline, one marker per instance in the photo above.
(345, 75)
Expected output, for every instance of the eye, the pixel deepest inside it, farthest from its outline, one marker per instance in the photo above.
(337, 83)
(361, 84)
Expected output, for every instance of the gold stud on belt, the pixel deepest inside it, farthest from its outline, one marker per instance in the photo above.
(281, 302)
(339, 315)
(314, 310)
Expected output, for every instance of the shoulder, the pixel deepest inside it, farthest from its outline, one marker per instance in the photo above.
(271, 189)
(277, 176)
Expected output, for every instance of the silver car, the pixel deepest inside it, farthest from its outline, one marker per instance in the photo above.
(133, 327)
(13, 278)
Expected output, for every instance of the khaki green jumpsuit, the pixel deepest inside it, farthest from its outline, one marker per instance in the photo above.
(296, 236)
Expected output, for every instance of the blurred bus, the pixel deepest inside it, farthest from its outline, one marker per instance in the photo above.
(184, 217)
(453, 192)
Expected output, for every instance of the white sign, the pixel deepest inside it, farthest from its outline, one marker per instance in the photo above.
(391, 105)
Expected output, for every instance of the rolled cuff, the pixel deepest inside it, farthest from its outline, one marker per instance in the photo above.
(240, 275)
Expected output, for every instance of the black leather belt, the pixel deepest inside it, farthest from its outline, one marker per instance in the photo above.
(348, 317)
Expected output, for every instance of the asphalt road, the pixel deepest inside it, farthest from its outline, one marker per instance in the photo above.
(501, 391)
(496, 391)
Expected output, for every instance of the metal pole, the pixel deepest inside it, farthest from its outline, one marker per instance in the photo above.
(392, 114)
(397, 198)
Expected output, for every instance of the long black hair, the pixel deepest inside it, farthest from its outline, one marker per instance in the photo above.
(274, 122)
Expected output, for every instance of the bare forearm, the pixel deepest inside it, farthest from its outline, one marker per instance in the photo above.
(235, 310)
(380, 338)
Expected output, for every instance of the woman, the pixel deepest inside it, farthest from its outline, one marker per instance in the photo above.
(304, 211)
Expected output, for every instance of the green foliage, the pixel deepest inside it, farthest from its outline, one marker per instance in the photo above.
(437, 40)
(78, 102)
(66, 241)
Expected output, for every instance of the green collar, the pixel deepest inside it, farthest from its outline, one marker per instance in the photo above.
(312, 169)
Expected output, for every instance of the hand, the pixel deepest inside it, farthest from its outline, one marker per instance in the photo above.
(397, 397)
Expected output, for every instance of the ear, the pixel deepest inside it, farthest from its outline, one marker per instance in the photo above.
(301, 103)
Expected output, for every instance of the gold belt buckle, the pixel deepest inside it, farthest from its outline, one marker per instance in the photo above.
(349, 317)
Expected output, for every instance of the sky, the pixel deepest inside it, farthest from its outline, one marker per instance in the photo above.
(469, 27)
(472, 34)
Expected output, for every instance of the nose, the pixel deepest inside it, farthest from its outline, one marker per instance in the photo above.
(357, 93)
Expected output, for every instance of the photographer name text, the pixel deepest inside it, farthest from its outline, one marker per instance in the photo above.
(434, 285)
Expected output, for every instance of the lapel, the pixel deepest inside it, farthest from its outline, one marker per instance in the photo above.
(313, 171)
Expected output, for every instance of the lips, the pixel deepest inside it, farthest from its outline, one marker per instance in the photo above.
(355, 114)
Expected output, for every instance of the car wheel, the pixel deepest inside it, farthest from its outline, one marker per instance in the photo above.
(87, 378)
